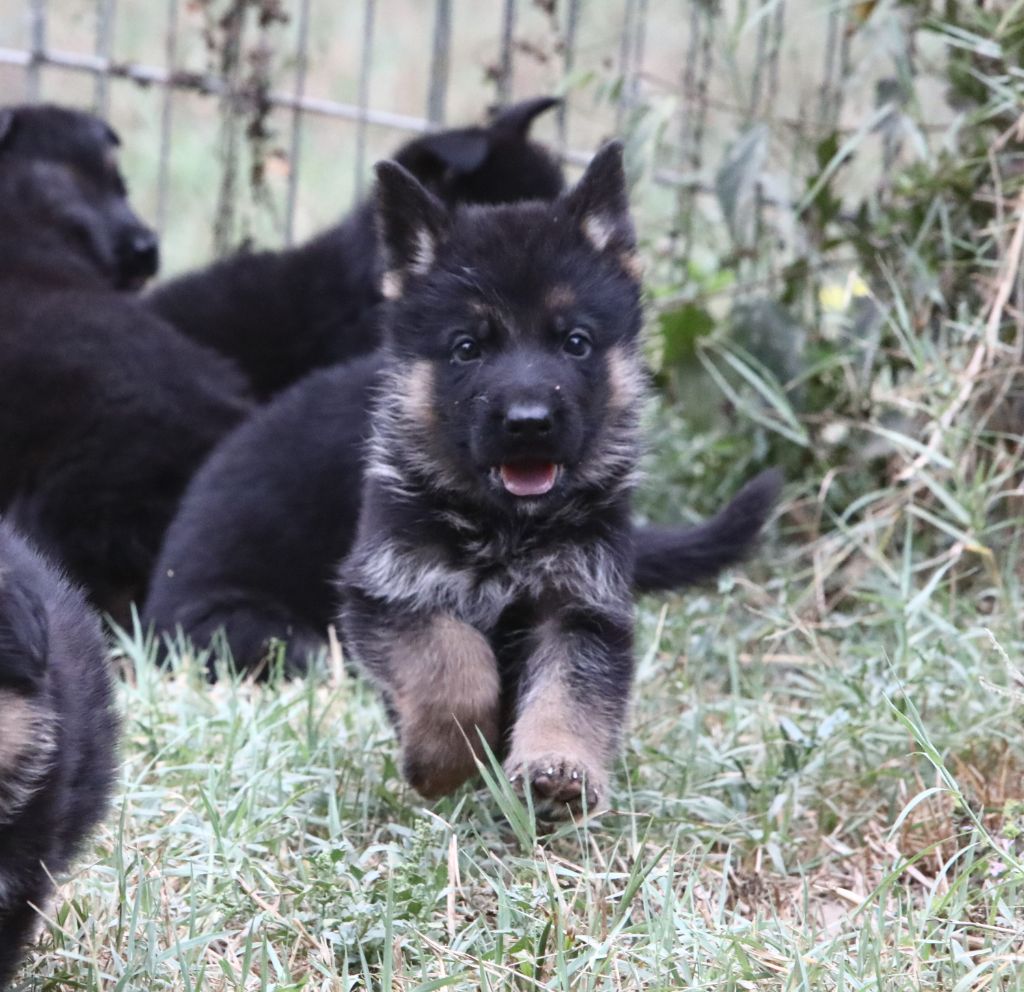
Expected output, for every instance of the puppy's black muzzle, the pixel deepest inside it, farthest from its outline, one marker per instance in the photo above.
(138, 257)
(530, 424)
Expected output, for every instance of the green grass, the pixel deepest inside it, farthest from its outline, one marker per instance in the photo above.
(807, 800)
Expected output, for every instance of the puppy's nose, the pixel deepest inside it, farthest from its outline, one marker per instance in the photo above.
(145, 252)
(525, 421)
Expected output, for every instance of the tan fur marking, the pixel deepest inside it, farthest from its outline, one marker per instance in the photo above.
(28, 739)
(494, 314)
(633, 265)
(17, 724)
(560, 297)
(556, 745)
(417, 397)
(598, 230)
(423, 258)
(447, 687)
(391, 285)
(625, 379)
(548, 724)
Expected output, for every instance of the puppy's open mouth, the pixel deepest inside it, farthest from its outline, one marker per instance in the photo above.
(528, 477)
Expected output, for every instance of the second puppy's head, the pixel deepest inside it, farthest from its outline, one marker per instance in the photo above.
(494, 163)
(513, 333)
(60, 181)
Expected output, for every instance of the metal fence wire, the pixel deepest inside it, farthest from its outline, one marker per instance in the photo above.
(686, 82)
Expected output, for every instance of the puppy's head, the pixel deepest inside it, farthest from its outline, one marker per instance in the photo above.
(513, 330)
(61, 167)
(493, 164)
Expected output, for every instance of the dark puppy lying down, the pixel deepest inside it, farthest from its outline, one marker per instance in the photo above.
(492, 572)
(105, 410)
(58, 735)
(279, 315)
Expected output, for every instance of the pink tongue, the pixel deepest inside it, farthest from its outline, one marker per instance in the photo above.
(528, 478)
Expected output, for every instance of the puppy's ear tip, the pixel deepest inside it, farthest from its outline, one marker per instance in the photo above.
(530, 108)
(612, 151)
(604, 175)
(387, 169)
(519, 116)
(395, 183)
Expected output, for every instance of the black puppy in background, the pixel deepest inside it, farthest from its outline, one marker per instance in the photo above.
(58, 735)
(105, 410)
(279, 315)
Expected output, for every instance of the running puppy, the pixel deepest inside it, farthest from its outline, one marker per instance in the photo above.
(279, 315)
(58, 735)
(105, 410)
(489, 592)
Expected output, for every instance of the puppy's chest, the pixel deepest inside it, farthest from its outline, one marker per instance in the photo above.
(481, 576)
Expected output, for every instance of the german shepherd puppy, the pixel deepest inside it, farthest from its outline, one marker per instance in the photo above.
(58, 735)
(105, 410)
(279, 315)
(489, 594)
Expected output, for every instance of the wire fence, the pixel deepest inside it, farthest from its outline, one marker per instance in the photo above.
(686, 82)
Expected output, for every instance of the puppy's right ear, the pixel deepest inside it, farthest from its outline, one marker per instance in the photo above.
(518, 118)
(6, 124)
(411, 223)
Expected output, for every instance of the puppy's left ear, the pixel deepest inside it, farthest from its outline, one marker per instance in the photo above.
(412, 224)
(600, 204)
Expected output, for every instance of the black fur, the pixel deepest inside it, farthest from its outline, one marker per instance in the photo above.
(105, 410)
(58, 735)
(669, 557)
(263, 525)
(281, 314)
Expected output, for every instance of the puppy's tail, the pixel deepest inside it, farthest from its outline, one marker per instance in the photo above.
(672, 557)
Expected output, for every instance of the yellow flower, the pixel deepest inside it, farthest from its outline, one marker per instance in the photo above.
(836, 297)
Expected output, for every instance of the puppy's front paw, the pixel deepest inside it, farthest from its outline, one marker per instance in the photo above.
(561, 787)
(439, 753)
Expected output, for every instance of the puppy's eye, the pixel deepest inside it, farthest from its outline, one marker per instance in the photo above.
(466, 350)
(578, 344)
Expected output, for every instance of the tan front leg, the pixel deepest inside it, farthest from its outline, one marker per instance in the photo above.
(564, 745)
(445, 695)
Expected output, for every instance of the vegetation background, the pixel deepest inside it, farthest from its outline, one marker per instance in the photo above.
(824, 784)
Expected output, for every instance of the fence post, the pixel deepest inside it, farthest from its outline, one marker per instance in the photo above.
(295, 144)
(37, 26)
(439, 62)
